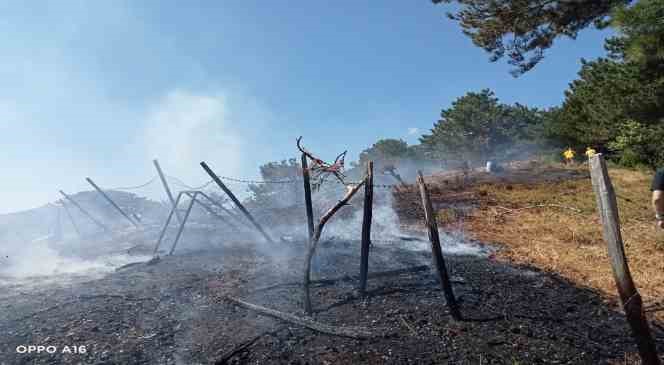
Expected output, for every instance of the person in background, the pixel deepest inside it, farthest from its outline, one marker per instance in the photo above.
(568, 155)
(658, 197)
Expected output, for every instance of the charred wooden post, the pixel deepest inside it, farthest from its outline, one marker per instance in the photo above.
(436, 250)
(98, 223)
(629, 296)
(236, 201)
(108, 199)
(314, 242)
(307, 196)
(184, 220)
(165, 184)
(366, 228)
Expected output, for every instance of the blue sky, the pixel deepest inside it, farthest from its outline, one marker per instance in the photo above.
(99, 88)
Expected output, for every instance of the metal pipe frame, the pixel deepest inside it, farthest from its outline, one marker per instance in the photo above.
(75, 203)
(192, 194)
(108, 199)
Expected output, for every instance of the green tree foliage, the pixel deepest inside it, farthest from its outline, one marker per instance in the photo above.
(606, 93)
(639, 144)
(617, 104)
(524, 29)
(642, 29)
(385, 151)
(477, 127)
(275, 194)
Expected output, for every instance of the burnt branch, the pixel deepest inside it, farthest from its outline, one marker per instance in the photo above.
(316, 237)
(321, 170)
(342, 331)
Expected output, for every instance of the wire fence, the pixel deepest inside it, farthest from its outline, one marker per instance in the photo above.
(179, 182)
(176, 181)
(152, 180)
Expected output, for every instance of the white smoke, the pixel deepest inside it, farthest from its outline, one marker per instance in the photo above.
(186, 128)
(38, 259)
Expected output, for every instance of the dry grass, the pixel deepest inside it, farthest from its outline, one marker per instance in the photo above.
(568, 242)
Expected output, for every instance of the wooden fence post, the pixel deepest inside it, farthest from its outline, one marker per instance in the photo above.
(366, 228)
(236, 201)
(307, 196)
(629, 296)
(436, 250)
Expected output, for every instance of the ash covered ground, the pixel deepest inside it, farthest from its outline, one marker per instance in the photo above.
(124, 308)
(173, 311)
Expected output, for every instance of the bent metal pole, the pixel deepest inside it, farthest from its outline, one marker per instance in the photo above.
(236, 201)
(111, 201)
(75, 203)
(168, 190)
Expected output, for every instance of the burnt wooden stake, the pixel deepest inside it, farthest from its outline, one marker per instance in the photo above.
(307, 196)
(75, 203)
(314, 242)
(629, 296)
(110, 201)
(366, 228)
(236, 201)
(436, 250)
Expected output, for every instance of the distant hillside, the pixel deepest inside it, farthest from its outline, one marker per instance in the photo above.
(52, 218)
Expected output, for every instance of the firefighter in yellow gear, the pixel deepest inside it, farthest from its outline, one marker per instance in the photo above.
(568, 155)
(590, 152)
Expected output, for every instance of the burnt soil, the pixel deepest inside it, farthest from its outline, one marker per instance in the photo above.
(174, 312)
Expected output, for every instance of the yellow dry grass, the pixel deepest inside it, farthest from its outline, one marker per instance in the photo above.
(570, 243)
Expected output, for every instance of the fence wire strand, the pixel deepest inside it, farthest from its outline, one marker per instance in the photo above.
(181, 183)
(154, 178)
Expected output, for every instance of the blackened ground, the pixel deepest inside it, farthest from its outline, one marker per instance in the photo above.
(174, 312)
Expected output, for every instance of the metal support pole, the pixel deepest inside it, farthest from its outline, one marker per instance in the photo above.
(56, 234)
(165, 184)
(71, 218)
(236, 201)
(111, 201)
(211, 211)
(100, 224)
(168, 221)
(220, 206)
(184, 220)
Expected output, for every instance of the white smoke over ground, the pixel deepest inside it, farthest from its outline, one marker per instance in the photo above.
(386, 230)
(36, 259)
